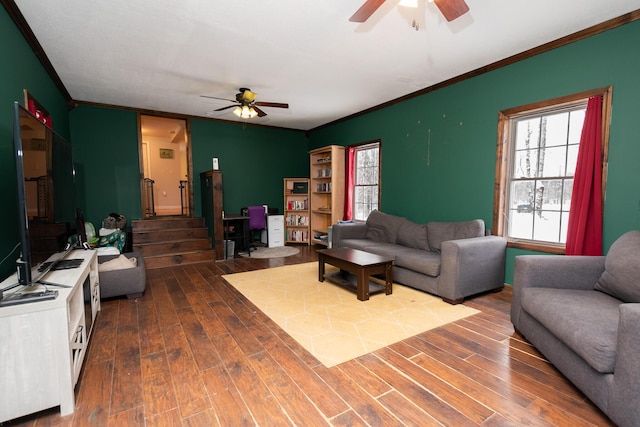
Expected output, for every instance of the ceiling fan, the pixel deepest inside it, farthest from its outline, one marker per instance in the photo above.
(245, 105)
(451, 9)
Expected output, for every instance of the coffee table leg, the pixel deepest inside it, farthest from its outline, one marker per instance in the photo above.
(320, 268)
(362, 289)
(388, 279)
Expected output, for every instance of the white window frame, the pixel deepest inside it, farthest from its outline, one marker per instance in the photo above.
(505, 158)
(358, 149)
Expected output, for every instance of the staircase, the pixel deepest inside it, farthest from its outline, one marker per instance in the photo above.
(169, 241)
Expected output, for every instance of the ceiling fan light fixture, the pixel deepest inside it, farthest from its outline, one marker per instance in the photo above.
(245, 112)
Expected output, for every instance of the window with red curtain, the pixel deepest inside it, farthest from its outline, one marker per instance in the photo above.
(362, 193)
(549, 173)
(584, 233)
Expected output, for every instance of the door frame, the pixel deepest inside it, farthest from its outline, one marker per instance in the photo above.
(141, 158)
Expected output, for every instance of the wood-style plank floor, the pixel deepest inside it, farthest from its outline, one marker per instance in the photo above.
(194, 352)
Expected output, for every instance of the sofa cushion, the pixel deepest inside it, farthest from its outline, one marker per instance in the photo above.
(361, 244)
(621, 276)
(439, 232)
(412, 235)
(383, 249)
(119, 263)
(412, 259)
(418, 260)
(584, 320)
(382, 227)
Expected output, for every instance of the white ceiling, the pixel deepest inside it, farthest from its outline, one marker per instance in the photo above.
(163, 54)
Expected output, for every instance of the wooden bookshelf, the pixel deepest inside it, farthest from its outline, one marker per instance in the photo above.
(326, 189)
(296, 210)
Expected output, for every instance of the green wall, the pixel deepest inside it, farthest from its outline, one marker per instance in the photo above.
(438, 150)
(107, 166)
(19, 69)
(253, 160)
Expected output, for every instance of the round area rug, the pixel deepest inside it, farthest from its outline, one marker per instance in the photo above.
(277, 252)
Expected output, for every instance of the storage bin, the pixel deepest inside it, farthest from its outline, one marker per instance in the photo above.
(230, 249)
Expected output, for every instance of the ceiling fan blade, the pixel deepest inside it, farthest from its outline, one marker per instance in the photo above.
(452, 9)
(215, 97)
(366, 10)
(259, 111)
(225, 108)
(272, 104)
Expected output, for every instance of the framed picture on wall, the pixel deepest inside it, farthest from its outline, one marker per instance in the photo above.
(166, 153)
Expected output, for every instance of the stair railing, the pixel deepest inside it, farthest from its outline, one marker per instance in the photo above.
(184, 197)
(149, 198)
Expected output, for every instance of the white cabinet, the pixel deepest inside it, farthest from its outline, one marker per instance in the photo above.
(275, 230)
(43, 344)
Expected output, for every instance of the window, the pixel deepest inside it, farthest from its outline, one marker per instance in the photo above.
(537, 154)
(363, 180)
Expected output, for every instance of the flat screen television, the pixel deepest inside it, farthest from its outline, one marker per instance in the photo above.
(45, 178)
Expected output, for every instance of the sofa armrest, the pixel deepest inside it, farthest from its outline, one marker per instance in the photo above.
(470, 266)
(553, 271)
(625, 393)
(354, 230)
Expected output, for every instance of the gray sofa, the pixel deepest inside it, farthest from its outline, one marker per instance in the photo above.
(583, 314)
(130, 281)
(453, 260)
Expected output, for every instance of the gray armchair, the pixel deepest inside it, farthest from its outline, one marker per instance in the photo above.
(583, 314)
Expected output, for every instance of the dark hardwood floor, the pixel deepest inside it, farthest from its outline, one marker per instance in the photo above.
(194, 352)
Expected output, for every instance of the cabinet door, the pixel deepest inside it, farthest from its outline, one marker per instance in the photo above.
(29, 371)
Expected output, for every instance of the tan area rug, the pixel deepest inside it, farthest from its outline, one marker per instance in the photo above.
(276, 252)
(330, 322)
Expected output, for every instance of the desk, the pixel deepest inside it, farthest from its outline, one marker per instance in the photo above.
(236, 228)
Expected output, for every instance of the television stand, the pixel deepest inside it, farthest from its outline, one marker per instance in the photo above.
(47, 342)
(61, 264)
(59, 285)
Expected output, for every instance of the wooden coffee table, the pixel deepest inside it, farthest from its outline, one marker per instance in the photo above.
(362, 265)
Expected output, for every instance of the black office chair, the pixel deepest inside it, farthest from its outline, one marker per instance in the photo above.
(257, 223)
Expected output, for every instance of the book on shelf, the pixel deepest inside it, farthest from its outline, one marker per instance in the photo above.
(297, 235)
(323, 187)
(323, 237)
(297, 205)
(300, 187)
(297, 220)
(323, 173)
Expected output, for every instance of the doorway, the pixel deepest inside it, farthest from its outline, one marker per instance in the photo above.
(165, 166)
